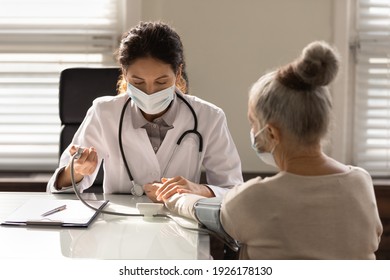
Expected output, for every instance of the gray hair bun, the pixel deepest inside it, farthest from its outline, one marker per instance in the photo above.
(317, 66)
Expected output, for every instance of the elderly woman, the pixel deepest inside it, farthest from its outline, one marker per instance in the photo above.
(315, 207)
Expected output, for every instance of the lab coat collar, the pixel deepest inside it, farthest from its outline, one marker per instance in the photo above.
(169, 117)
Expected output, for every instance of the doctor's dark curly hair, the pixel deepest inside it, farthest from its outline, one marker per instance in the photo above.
(156, 40)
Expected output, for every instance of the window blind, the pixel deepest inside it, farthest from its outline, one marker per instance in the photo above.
(372, 87)
(40, 38)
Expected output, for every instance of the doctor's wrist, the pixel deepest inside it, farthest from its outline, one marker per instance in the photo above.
(207, 191)
(64, 178)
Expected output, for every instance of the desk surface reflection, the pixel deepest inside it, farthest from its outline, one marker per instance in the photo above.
(108, 237)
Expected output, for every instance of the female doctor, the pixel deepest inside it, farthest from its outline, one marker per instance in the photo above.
(153, 112)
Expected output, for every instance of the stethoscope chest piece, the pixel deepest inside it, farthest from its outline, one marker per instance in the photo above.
(137, 190)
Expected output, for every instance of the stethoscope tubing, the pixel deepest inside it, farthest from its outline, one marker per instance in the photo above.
(184, 134)
(97, 210)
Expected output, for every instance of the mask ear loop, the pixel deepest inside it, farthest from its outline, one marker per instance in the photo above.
(256, 135)
(275, 144)
(272, 150)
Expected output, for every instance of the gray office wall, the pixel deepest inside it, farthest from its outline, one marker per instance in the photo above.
(229, 44)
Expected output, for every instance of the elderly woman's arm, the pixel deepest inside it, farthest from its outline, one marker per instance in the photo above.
(183, 204)
(205, 211)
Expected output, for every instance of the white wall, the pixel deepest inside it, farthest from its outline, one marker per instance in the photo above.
(230, 43)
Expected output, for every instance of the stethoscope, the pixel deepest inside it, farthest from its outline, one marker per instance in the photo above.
(137, 189)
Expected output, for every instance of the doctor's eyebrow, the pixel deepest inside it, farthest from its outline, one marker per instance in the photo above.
(158, 78)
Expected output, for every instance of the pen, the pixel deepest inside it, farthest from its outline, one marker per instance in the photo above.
(63, 207)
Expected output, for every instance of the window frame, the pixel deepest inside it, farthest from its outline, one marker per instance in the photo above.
(22, 165)
(346, 41)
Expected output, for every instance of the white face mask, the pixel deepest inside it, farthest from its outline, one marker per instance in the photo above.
(266, 157)
(151, 103)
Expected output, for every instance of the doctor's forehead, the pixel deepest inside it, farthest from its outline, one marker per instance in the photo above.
(148, 67)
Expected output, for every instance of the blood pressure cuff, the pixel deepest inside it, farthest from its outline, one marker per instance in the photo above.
(207, 211)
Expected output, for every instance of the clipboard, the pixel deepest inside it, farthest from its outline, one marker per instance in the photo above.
(76, 214)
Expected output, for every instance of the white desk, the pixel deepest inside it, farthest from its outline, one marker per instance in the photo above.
(108, 237)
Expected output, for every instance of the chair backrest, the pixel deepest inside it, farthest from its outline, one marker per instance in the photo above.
(78, 88)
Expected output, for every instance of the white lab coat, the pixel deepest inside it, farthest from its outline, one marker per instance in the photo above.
(99, 129)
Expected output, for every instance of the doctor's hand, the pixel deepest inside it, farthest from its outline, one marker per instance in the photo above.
(85, 165)
(150, 191)
(179, 184)
(87, 162)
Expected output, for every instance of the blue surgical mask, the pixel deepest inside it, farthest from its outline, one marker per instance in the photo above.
(266, 157)
(151, 103)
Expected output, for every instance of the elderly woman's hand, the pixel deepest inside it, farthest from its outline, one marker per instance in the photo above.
(183, 204)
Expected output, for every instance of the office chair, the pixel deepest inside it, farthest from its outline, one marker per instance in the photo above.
(78, 87)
